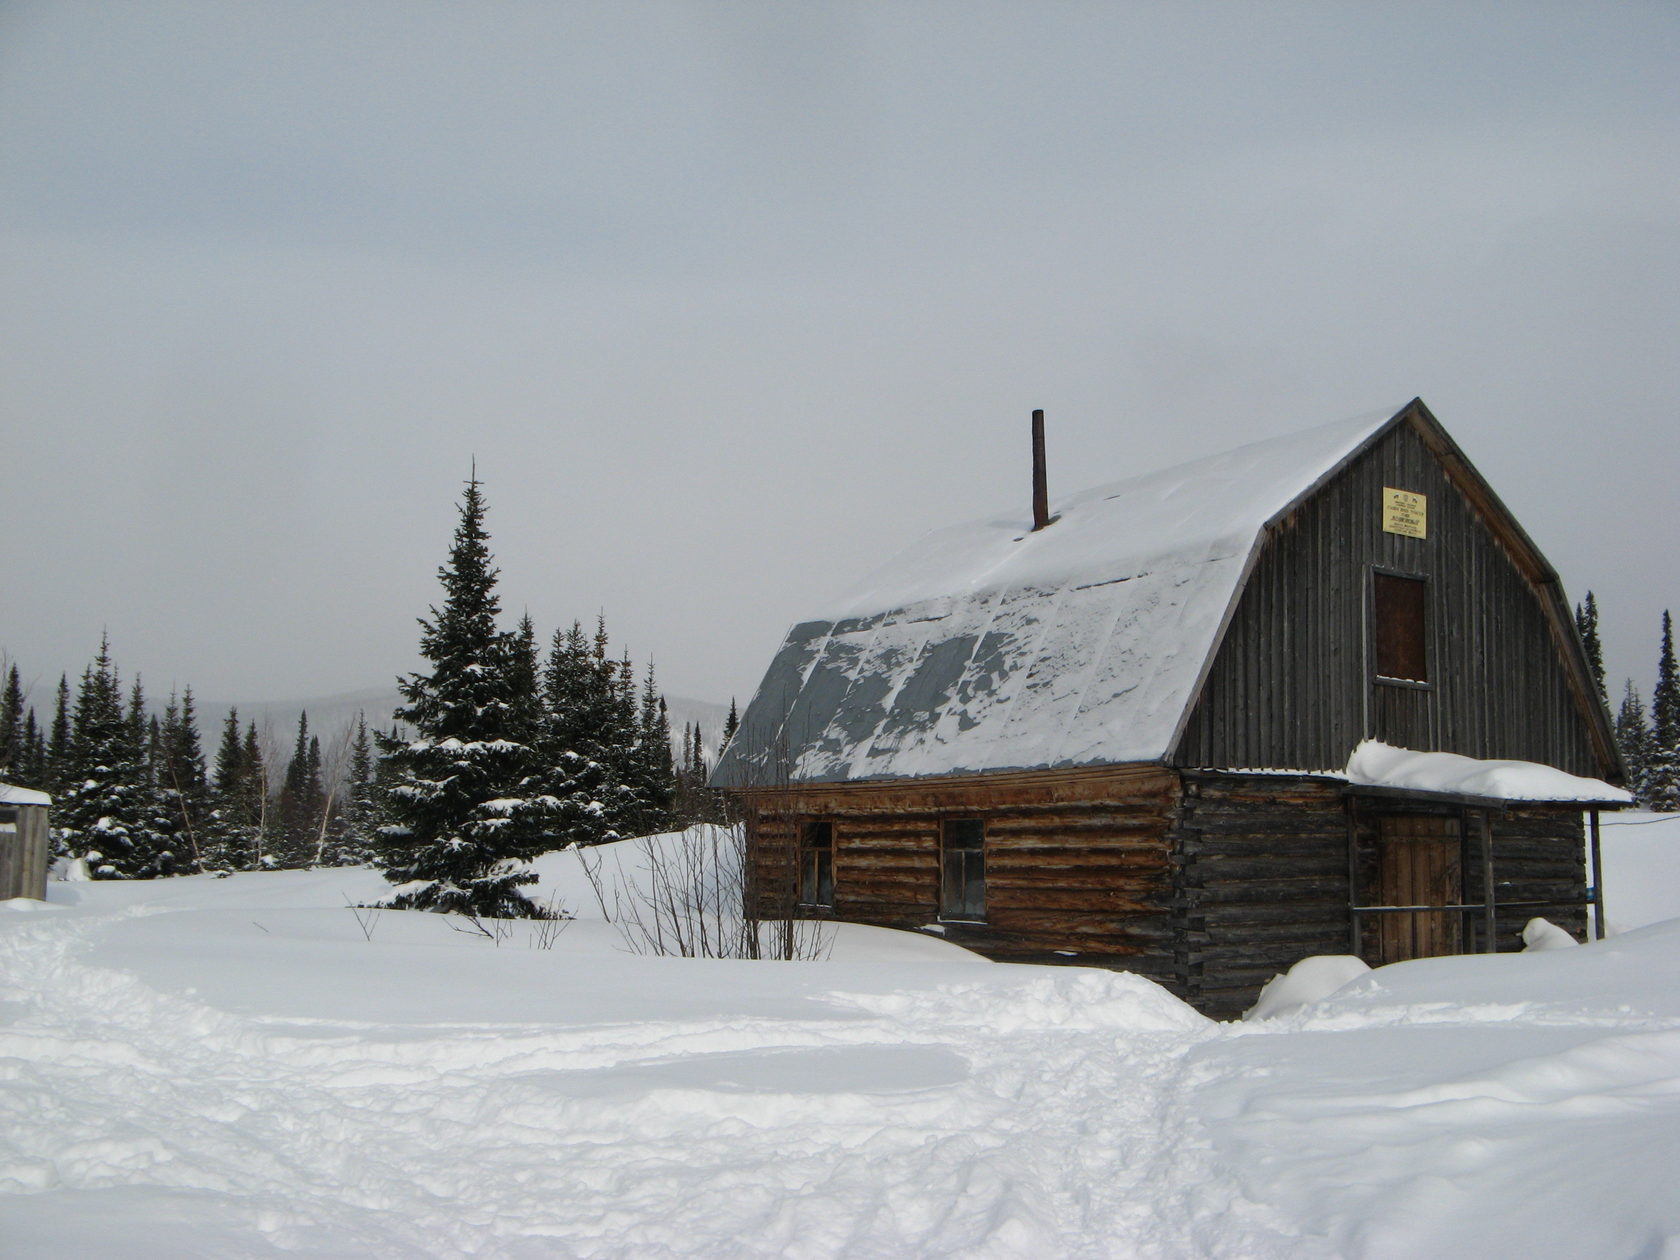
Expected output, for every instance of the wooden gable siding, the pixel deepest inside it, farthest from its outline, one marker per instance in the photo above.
(24, 851)
(1292, 685)
(1077, 862)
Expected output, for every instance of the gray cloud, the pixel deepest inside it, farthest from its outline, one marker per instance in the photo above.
(731, 302)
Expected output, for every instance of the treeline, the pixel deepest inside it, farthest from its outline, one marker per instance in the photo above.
(501, 751)
(1649, 740)
(134, 796)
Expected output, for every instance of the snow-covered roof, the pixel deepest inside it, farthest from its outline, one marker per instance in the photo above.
(10, 795)
(1376, 764)
(987, 646)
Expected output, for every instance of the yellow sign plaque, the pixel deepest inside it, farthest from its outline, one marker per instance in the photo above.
(1405, 512)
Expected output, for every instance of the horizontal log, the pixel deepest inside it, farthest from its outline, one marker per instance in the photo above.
(1102, 864)
(1328, 886)
(1000, 901)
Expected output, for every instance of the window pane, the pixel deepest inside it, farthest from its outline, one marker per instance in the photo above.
(963, 891)
(1399, 613)
(825, 879)
(816, 864)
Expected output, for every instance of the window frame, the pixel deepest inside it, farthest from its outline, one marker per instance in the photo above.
(1425, 629)
(971, 859)
(814, 863)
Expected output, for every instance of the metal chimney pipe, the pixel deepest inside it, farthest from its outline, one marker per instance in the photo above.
(1041, 492)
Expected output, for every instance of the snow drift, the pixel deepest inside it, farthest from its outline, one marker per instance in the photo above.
(248, 1067)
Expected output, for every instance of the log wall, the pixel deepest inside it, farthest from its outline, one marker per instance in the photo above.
(1078, 866)
(1263, 877)
(1209, 883)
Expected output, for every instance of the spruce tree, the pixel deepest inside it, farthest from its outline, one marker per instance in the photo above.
(184, 781)
(1586, 622)
(581, 737)
(58, 742)
(1633, 738)
(178, 780)
(354, 833)
(258, 801)
(106, 812)
(466, 795)
(1664, 771)
(11, 725)
(31, 770)
(731, 724)
(298, 807)
(651, 764)
(230, 841)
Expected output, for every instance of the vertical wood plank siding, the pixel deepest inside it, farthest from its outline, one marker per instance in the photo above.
(1292, 686)
(24, 852)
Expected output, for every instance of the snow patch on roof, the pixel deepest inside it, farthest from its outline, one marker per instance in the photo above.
(10, 795)
(990, 647)
(1376, 764)
(1206, 510)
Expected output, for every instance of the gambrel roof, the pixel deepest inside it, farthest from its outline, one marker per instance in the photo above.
(989, 647)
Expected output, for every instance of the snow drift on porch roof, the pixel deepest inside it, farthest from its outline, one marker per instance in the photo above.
(988, 647)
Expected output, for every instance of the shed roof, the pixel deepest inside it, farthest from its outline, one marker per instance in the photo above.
(989, 647)
(10, 795)
(1376, 764)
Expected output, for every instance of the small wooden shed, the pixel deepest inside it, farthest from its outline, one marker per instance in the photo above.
(1194, 725)
(24, 845)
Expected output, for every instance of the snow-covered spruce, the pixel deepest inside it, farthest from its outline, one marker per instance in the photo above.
(466, 793)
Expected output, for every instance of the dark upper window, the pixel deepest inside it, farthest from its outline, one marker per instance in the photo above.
(963, 861)
(816, 865)
(1399, 624)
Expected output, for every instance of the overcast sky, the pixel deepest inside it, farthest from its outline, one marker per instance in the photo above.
(731, 301)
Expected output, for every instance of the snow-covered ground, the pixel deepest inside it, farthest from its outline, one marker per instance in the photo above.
(226, 1068)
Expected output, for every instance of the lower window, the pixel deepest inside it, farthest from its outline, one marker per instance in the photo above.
(816, 865)
(963, 870)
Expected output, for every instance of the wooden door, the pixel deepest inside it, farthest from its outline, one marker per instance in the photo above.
(1419, 866)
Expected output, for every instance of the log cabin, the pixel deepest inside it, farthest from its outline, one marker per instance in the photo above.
(1319, 695)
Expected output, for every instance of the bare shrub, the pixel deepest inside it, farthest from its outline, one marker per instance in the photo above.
(685, 896)
(545, 925)
(367, 918)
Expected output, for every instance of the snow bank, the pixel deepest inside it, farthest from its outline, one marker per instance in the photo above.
(1513, 1104)
(1309, 980)
(1641, 868)
(1382, 765)
(248, 1067)
(1540, 934)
